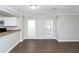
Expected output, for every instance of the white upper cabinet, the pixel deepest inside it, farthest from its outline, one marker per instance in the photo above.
(10, 21)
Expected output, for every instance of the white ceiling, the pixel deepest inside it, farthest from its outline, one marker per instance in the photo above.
(3, 13)
(47, 9)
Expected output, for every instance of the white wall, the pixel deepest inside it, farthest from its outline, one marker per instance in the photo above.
(68, 28)
(39, 26)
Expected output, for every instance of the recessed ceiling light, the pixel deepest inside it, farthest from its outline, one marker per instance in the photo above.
(54, 9)
(33, 6)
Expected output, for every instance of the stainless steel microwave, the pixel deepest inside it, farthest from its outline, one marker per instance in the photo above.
(2, 24)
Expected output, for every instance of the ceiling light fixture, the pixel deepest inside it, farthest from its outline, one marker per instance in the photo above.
(54, 11)
(33, 6)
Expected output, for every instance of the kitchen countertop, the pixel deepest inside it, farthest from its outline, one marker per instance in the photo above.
(8, 32)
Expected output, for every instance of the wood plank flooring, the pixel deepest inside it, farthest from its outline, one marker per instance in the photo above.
(46, 46)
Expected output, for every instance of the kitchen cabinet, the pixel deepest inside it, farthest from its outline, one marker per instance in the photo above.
(10, 21)
(7, 43)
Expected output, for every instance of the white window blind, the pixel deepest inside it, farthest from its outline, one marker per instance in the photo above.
(48, 28)
(31, 28)
(40, 28)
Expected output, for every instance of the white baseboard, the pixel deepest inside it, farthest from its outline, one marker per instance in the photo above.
(22, 40)
(39, 38)
(68, 40)
(12, 47)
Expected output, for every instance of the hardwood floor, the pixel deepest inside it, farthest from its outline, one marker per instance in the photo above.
(46, 46)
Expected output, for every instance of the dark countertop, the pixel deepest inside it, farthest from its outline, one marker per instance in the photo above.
(8, 32)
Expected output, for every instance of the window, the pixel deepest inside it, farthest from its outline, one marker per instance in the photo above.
(49, 28)
(40, 28)
(31, 28)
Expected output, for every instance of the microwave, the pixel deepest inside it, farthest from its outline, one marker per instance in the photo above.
(2, 24)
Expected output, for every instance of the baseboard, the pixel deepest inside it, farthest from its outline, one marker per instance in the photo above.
(38, 38)
(21, 40)
(68, 40)
(12, 47)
